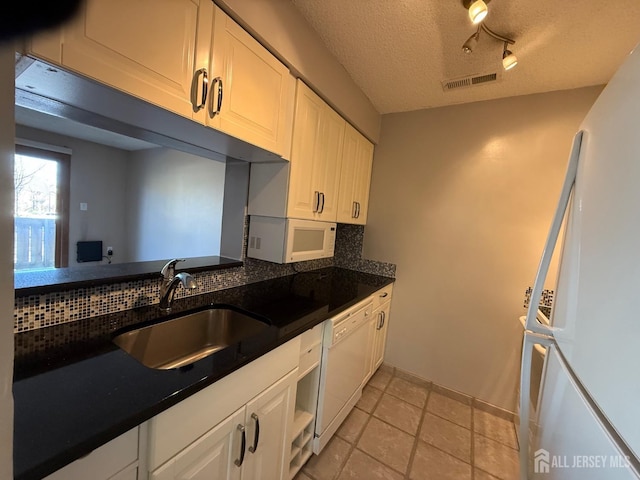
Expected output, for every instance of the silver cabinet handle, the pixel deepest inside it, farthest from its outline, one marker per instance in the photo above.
(379, 326)
(384, 317)
(354, 210)
(385, 294)
(212, 112)
(316, 202)
(256, 436)
(202, 72)
(322, 204)
(238, 462)
(358, 210)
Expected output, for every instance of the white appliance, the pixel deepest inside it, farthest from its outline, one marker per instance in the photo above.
(587, 424)
(538, 356)
(287, 240)
(344, 367)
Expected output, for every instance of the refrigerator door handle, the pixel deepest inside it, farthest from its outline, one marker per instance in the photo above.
(528, 344)
(532, 323)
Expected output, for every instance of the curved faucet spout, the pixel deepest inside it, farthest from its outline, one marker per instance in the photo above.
(168, 288)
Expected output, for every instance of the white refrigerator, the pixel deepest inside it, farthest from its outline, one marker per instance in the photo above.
(587, 421)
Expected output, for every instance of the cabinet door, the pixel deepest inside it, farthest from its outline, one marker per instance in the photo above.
(327, 169)
(305, 153)
(372, 325)
(346, 197)
(211, 456)
(269, 418)
(380, 341)
(256, 88)
(147, 48)
(362, 179)
(355, 177)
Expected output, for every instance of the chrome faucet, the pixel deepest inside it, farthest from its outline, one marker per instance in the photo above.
(170, 282)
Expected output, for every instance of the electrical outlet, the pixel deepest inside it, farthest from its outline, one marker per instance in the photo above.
(109, 251)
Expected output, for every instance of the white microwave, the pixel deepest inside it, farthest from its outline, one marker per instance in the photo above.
(287, 240)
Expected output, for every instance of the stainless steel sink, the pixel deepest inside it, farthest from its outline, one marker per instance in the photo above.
(189, 338)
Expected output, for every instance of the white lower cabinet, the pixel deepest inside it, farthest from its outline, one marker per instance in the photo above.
(237, 428)
(249, 444)
(377, 328)
(381, 316)
(269, 420)
(211, 456)
(382, 308)
(116, 460)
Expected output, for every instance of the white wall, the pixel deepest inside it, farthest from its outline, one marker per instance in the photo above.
(176, 207)
(98, 178)
(6, 261)
(461, 200)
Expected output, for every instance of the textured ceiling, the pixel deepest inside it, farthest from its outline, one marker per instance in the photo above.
(399, 51)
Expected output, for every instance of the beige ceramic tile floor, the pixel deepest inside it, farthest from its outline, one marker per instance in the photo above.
(405, 429)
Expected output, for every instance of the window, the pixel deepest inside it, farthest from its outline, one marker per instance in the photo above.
(41, 214)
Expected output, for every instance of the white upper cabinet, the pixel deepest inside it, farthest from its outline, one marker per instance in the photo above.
(147, 48)
(355, 177)
(186, 56)
(316, 152)
(251, 90)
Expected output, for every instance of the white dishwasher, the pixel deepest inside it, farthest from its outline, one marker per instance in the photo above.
(345, 364)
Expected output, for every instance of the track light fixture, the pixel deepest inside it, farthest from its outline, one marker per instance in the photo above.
(471, 42)
(477, 11)
(509, 60)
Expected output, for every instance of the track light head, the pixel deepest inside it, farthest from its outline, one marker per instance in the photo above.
(509, 60)
(471, 43)
(478, 11)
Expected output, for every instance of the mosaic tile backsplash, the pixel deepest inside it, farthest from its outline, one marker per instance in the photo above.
(38, 311)
(546, 300)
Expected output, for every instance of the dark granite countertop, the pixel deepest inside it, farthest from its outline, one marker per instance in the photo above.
(74, 390)
(35, 282)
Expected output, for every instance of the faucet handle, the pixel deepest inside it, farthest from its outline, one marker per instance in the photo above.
(169, 270)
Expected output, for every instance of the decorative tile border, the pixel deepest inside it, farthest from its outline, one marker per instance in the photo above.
(38, 311)
(454, 394)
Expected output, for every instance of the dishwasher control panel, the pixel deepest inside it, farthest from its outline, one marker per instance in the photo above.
(344, 324)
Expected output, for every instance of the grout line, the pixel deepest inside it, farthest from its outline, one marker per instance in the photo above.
(412, 455)
(406, 475)
(499, 441)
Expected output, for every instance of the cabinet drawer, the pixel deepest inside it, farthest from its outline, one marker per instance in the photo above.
(103, 462)
(383, 295)
(310, 338)
(309, 359)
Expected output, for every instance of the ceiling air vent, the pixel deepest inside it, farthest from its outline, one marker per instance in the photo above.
(469, 81)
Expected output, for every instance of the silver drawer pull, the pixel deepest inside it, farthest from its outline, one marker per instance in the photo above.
(256, 437)
(238, 462)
